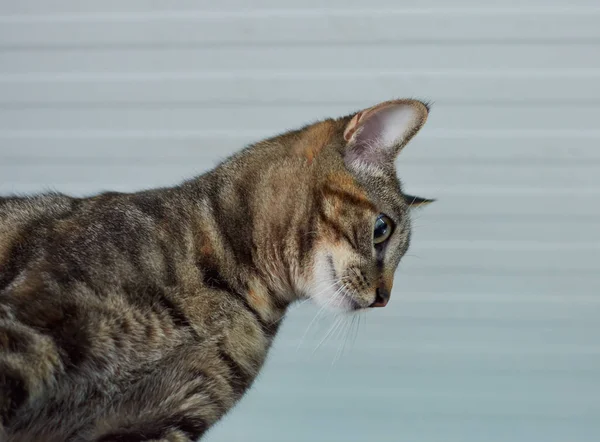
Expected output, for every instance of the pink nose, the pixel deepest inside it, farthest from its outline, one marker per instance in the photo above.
(382, 296)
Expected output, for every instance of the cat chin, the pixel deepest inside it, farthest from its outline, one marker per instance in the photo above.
(327, 291)
(334, 303)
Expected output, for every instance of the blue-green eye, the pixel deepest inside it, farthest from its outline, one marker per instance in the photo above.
(383, 229)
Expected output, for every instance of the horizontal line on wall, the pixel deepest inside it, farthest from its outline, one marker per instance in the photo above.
(158, 46)
(521, 246)
(198, 104)
(259, 134)
(455, 404)
(468, 270)
(443, 370)
(413, 297)
(554, 322)
(458, 365)
(483, 348)
(513, 218)
(457, 408)
(145, 159)
(441, 194)
(247, 14)
(296, 74)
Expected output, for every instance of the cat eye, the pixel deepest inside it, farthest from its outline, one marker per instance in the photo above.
(383, 229)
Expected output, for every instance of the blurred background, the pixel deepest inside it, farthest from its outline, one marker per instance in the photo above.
(493, 331)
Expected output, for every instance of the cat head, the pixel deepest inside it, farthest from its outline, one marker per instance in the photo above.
(362, 217)
(319, 212)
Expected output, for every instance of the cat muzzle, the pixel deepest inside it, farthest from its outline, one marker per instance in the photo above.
(382, 296)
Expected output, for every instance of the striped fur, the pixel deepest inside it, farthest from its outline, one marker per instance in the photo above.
(146, 316)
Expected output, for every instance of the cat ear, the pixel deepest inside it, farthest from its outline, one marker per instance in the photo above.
(416, 201)
(379, 133)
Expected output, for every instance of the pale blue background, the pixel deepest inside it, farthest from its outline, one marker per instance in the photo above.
(493, 330)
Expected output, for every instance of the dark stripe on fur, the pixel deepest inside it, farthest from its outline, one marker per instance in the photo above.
(68, 328)
(349, 198)
(150, 204)
(306, 237)
(13, 394)
(213, 279)
(337, 228)
(192, 426)
(202, 389)
(15, 340)
(65, 322)
(239, 379)
(267, 328)
(238, 235)
(21, 251)
(177, 315)
(170, 267)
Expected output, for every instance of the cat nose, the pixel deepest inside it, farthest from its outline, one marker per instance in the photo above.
(382, 296)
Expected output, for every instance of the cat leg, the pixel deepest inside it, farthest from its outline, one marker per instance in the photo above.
(178, 399)
(29, 363)
(160, 431)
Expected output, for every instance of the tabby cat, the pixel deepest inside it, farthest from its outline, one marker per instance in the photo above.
(146, 316)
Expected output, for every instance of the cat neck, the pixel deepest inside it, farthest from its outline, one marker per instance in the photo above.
(239, 247)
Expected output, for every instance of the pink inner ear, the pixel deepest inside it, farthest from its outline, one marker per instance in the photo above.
(378, 133)
(361, 117)
(352, 126)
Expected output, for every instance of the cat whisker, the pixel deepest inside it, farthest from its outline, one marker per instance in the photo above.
(360, 316)
(335, 325)
(314, 319)
(334, 297)
(339, 319)
(342, 346)
(340, 349)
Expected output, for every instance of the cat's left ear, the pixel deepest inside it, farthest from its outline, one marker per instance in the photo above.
(379, 133)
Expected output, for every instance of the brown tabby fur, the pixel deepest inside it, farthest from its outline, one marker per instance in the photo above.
(146, 316)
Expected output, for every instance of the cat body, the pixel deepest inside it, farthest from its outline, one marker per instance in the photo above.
(146, 316)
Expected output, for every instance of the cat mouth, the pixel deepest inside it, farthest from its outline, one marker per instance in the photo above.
(340, 290)
(345, 297)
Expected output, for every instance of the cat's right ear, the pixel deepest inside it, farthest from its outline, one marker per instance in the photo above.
(378, 134)
(416, 201)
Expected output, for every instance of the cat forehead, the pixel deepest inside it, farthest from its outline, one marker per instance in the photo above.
(315, 138)
(372, 186)
(382, 187)
(343, 185)
(372, 194)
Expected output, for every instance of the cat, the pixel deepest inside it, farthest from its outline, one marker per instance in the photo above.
(146, 316)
